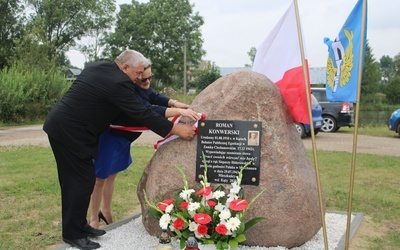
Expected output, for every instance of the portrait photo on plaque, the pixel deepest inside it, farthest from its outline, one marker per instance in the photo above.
(253, 138)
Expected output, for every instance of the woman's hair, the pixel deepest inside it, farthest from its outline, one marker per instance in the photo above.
(133, 58)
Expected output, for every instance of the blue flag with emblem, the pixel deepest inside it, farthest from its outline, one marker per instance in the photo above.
(344, 52)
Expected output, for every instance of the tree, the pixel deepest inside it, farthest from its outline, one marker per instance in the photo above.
(159, 29)
(30, 51)
(60, 23)
(387, 68)
(252, 54)
(10, 30)
(207, 76)
(94, 41)
(393, 90)
(370, 77)
(396, 64)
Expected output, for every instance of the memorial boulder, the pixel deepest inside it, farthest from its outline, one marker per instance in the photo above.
(290, 203)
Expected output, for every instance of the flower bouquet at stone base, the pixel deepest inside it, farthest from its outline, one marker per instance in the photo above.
(214, 217)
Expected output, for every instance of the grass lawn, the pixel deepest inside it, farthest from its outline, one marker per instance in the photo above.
(30, 195)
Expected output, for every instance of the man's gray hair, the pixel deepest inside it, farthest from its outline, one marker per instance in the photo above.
(133, 58)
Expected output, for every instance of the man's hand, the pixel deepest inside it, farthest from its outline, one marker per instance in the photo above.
(184, 131)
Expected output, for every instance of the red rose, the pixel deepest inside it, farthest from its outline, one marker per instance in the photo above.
(221, 229)
(211, 203)
(204, 191)
(202, 218)
(202, 229)
(179, 223)
(184, 205)
(164, 204)
(238, 205)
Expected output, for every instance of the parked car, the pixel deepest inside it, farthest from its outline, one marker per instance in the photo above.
(316, 111)
(335, 114)
(394, 121)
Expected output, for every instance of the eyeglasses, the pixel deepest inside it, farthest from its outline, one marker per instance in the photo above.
(145, 79)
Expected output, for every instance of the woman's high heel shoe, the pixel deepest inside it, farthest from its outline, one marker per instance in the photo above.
(101, 217)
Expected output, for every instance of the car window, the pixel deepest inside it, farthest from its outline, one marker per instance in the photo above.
(314, 100)
(320, 94)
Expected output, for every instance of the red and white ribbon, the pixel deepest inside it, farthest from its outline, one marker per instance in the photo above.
(168, 138)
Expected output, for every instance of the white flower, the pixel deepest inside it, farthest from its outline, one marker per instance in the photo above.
(169, 208)
(225, 214)
(185, 194)
(164, 221)
(219, 207)
(193, 206)
(232, 224)
(231, 197)
(193, 226)
(218, 194)
(235, 188)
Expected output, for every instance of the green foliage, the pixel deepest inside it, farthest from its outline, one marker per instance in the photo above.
(103, 21)
(159, 29)
(207, 76)
(54, 27)
(10, 29)
(252, 55)
(28, 94)
(387, 68)
(370, 78)
(393, 90)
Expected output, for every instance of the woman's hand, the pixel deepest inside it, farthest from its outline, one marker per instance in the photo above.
(190, 113)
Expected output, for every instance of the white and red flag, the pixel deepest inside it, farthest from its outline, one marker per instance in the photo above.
(279, 59)
(164, 140)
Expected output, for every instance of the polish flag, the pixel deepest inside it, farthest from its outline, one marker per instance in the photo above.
(279, 59)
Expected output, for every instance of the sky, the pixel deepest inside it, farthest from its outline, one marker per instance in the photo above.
(232, 27)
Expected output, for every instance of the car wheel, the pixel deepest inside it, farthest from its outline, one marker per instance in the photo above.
(329, 124)
(398, 129)
(300, 129)
(337, 128)
(315, 132)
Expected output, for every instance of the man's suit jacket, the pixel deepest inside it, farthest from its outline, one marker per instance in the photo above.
(100, 93)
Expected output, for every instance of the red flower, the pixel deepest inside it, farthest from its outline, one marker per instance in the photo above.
(204, 191)
(238, 205)
(211, 203)
(179, 223)
(221, 229)
(202, 229)
(164, 204)
(184, 205)
(202, 218)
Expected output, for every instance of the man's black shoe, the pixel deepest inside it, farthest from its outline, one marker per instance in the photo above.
(83, 243)
(93, 232)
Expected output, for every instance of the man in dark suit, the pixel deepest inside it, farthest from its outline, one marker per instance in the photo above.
(101, 92)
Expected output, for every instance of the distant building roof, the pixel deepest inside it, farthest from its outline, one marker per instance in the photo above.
(75, 72)
(72, 74)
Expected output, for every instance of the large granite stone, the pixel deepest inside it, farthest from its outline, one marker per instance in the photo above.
(290, 203)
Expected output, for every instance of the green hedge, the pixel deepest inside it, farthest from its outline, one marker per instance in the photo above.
(28, 94)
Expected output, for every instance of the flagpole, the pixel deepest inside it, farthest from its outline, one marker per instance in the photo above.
(308, 95)
(353, 160)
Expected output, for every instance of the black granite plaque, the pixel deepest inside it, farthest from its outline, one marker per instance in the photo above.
(229, 145)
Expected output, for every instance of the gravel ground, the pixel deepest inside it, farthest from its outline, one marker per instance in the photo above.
(132, 235)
